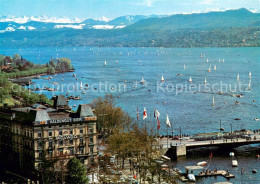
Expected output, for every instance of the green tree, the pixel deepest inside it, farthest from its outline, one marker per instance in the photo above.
(76, 172)
(109, 117)
(16, 56)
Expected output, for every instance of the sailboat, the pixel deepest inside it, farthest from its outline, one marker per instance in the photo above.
(205, 81)
(184, 67)
(220, 126)
(250, 75)
(116, 61)
(209, 70)
(213, 101)
(105, 63)
(162, 79)
(249, 85)
(207, 60)
(219, 60)
(190, 80)
(215, 67)
(142, 80)
(223, 60)
(81, 85)
(238, 77)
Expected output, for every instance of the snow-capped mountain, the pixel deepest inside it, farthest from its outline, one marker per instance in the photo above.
(25, 19)
(12, 23)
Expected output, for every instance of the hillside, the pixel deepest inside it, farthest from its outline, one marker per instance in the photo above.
(233, 28)
(213, 20)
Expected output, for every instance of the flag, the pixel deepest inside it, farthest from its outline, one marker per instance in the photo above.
(168, 123)
(144, 114)
(137, 114)
(158, 123)
(157, 114)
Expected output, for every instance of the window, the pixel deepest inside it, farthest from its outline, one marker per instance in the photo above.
(81, 131)
(71, 151)
(60, 132)
(91, 139)
(81, 140)
(71, 141)
(71, 131)
(39, 134)
(50, 133)
(81, 150)
(50, 143)
(91, 149)
(50, 153)
(91, 130)
(61, 142)
(39, 143)
(61, 151)
(40, 153)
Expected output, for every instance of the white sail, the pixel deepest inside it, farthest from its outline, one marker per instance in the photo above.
(223, 60)
(105, 63)
(207, 60)
(205, 81)
(168, 123)
(162, 79)
(209, 70)
(219, 60)
(249, 85)
(213, 101)
(190, 79)
(184, 66)
(250, 75)
(215, 67)
(142, 80)
(116, 61)
(238, 76)
(81, 85)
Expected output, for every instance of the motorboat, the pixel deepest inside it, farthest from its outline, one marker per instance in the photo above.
(203, 163)
(234, 163)
(191, 177)
(257, 119)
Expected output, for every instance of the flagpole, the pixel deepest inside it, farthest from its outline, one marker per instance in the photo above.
(167, 135)
(150, 123)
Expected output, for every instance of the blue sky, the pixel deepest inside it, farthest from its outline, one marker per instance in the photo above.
(115, 8)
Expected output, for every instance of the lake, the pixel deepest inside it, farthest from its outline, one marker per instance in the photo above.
(189, 105)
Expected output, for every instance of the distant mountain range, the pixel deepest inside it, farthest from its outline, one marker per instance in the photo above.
(211, 20)
(213, 29)
(9, 24)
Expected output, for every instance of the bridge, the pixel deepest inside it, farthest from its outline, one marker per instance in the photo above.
(180, 147)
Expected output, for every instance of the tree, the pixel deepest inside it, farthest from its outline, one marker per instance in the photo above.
(76, 172)
(109, 117)
(16, 56)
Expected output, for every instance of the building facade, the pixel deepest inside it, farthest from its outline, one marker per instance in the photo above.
(29, 134)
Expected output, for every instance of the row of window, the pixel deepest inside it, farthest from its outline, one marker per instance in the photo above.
(61, 151)
(60, 133)
(61, 142)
